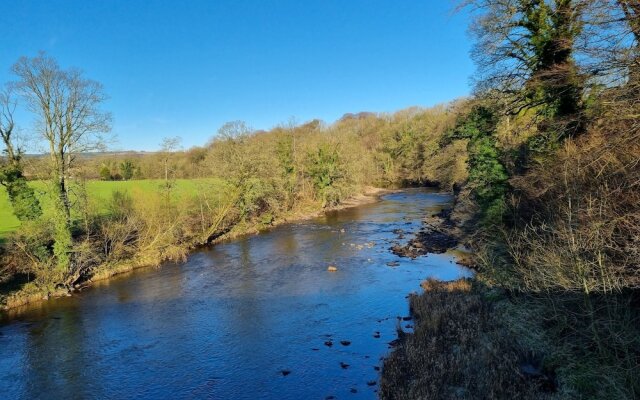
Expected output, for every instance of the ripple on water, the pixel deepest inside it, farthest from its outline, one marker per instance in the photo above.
(250, 318)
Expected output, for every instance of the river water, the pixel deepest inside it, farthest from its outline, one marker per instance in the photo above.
(246, 319)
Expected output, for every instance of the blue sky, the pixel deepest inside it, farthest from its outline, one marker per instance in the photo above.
(183, 68)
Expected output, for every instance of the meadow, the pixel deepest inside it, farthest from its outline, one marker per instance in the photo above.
(99, 193)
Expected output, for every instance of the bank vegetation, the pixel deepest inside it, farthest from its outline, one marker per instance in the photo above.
(544, 158)
(551, 207)
(242, 181)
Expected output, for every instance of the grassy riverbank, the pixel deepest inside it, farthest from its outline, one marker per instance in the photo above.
(462, 348)
(243, 181)
(28, 294)
(472, 340)
(99, 194)
(483, 338)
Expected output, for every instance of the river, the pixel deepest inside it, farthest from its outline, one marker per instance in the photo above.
(245, 319)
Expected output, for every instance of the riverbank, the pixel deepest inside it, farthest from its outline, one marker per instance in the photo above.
(257, 315)
(474, 338)
(461, 348)
(467, 340)
(31, 294)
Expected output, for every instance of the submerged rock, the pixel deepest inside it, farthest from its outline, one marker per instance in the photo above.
(393, 263)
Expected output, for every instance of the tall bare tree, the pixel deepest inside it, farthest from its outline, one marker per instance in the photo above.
(631, 11)
(68, 110)
(168, 147)
(69, 120)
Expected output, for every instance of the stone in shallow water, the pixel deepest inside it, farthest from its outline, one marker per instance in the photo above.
(393, 263)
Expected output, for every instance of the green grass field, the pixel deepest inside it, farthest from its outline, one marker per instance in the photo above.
(99, 194)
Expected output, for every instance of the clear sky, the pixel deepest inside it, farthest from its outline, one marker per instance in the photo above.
(183, 68)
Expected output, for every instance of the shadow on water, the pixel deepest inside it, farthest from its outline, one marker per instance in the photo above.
(258, 317)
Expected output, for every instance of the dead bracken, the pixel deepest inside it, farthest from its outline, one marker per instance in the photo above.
(459, 349)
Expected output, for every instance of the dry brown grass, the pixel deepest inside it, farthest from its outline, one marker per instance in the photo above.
(579, 227)
(573, 254)
(459, 350)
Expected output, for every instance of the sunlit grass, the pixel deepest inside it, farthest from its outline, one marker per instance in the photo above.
(99, 195)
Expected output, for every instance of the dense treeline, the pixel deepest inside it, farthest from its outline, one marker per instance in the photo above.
(242, 180)
(553, 170)
(545, 157)
(569, 141)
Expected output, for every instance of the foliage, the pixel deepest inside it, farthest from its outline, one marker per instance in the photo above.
(127, 169)
(105, 173)
(23, 200)
(565, 135)
(487, 174)
(324, 170)
(460, 349)
(22, 197)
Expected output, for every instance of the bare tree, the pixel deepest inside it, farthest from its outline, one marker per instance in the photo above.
(70, 121)
(69, 116)
(525, 54)
(168, 146)
(229, 145)
(7, 125)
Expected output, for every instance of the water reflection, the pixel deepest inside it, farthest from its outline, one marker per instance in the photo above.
(226, 323)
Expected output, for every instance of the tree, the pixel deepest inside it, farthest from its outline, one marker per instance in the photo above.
(525, 52)
(615, 38)
(614, 47)
(22, 197)
(326, 172)
(238, 165)
(70, 120)
(127, 168)
(105, 172)
(488, 178)
(168, 146)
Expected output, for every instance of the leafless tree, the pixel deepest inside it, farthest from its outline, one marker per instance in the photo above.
(70, 119)
(7, 125)
(525, 52)
(168, 146)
